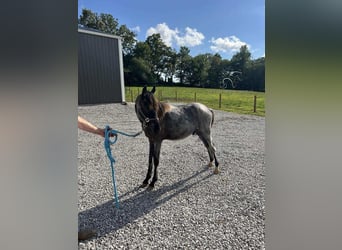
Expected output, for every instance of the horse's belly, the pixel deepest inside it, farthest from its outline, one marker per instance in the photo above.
(180, 123)
(179, 132)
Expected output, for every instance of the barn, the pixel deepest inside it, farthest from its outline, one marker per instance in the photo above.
(100, 68)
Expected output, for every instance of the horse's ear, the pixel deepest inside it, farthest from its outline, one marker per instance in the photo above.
(144, 89)
(153, 89)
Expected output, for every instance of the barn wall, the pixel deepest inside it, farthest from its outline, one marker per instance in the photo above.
(100, 69)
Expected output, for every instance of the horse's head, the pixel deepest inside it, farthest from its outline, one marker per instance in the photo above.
(146, 108)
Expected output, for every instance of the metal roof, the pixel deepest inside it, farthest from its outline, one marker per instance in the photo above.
(97, 32)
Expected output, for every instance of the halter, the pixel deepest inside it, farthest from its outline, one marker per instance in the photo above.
(146, 119)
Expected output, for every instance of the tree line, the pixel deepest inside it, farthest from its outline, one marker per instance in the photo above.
(153, 62)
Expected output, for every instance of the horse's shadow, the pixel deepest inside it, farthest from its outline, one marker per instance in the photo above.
(106, 218)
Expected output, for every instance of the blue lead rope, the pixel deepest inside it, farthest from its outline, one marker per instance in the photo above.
(107, 143)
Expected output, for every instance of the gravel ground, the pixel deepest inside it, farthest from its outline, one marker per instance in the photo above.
(190, 207)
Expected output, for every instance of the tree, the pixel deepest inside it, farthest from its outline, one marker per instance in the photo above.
(183, 64)
(159, 55)
(241, 62)
(241, 59)
(129, 39)
(89, 19)
(214, 72)
(142, 50)
(170, 65)
(108, 24)
(138, 64)
(256, 75)
(139, 71)
(200, 67)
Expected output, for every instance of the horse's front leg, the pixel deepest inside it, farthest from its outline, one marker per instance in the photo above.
(150, 164)
(156, 154)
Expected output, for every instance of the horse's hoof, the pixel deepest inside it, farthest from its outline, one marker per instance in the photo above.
(150, 188)
(143, 185)
(210, 164)
(216, 171)
(86, 234)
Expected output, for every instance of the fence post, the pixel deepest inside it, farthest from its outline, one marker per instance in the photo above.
(176, 96)
(195, 97)
(220, 100)
(132, 95)
(255, 98)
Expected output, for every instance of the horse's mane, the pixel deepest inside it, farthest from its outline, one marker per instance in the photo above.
(160, 107)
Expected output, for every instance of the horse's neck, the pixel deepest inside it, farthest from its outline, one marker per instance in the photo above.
(163, 108)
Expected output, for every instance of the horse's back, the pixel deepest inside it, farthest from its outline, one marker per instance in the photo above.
(199, 110)
(196, 113)
(200, 107)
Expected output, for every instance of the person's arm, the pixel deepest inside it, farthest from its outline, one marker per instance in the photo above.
(87, 126)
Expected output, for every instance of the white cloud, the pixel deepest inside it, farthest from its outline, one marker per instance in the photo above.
(166, 34)
(171, 37)
(136, 29)
(191, 38)
(227, 44)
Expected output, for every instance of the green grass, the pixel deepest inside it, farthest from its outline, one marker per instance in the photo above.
(241, 102)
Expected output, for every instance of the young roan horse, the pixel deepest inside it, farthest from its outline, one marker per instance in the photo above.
(162, 121)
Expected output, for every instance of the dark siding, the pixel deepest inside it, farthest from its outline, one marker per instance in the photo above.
(99, 72)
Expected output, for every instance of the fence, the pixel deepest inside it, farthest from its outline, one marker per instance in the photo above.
(228, 101)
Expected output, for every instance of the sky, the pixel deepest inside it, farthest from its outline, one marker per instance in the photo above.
(218, 26)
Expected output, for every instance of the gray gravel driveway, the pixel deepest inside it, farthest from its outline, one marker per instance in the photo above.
(190, 207)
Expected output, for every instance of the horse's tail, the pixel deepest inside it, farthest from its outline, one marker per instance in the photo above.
(212, 117)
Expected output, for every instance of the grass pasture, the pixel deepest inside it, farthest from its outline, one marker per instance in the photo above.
(235, 101)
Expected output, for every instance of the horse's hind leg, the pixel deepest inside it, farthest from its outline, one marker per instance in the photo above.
(216, 171)
(207, 141)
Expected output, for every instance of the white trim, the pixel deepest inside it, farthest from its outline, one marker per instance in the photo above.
(122, 79)
(97, 33)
